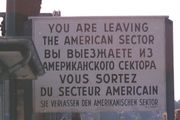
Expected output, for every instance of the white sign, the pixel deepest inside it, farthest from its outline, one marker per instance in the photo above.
(100, 64)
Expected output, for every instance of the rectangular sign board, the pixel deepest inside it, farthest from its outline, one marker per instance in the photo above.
(100, 64)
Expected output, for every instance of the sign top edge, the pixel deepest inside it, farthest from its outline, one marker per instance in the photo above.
(93, 17)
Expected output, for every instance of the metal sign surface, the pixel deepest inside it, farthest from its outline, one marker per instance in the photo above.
(100, 64)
